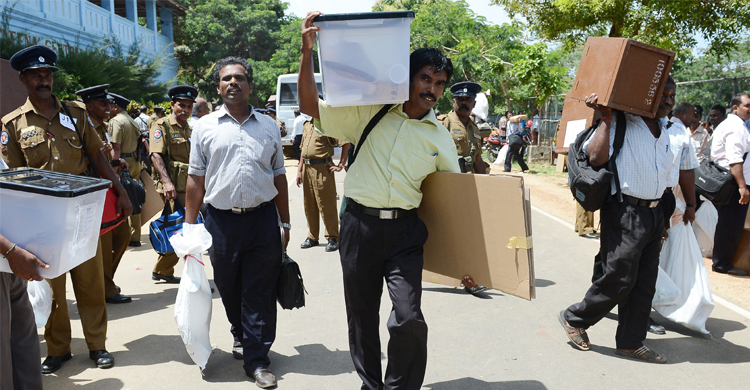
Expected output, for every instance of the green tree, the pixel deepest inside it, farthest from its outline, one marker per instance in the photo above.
(213, 29)
(669, 24)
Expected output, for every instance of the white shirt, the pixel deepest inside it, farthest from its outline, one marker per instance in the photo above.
(731, 141)
(514, 128)
(700, 138)
(535, 123)
(647, 165)
(239, 160)
(299, 124)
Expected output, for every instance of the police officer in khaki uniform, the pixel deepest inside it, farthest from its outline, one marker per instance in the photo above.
(460, 124)
(114, 242)
(170, 153)
(158, 114)
(42, 134)
(124, 133)
(315, 172)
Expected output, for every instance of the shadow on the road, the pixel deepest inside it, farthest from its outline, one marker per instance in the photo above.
(153, 349)
(60, 382)
(544, 283)
(312, 359)
(142, 303)
(488, 294)
(476, 384)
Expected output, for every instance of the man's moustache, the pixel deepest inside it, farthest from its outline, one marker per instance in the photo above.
(40, 88)
(427, 94)
(463, 107)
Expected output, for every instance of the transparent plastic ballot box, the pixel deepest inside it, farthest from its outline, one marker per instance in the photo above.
(364, 57)
(55, 216)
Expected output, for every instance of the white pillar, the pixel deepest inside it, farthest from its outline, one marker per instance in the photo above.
(151, 15)
(131, 10)
(166, 22)
(109, 5)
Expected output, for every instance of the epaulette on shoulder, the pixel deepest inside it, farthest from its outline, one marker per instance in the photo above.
(11, 115)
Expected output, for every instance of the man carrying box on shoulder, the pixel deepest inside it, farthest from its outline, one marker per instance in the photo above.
(381, 235)
(43, 133)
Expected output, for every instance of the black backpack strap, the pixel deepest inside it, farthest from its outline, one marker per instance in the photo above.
(83, 144)
(374, 121)
(619, 140)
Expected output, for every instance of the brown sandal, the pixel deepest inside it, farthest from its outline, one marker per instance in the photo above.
(643, 354)
(576, 335)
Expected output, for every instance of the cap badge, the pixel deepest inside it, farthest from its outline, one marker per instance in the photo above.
(41, 59)
(189, 93)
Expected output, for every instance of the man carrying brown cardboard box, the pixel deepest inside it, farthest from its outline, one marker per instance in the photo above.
(653, 157)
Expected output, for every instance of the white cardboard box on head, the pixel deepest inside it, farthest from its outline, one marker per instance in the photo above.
(55, 216)
(364, 58)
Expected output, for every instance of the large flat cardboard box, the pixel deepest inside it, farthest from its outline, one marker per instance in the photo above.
(472, 233)
(742, 256)
(154, 205)
(576, 117)
(626, 75)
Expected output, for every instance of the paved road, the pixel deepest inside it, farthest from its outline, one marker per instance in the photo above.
(490, 342)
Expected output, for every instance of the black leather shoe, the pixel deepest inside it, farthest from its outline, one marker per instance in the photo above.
(102, 358)
(119, 298)
(53, 363)
(168, 279)
(591, 235)
(655, 328)
(332, 246)
(737, 272)
(237, 351)
(263, 378)
(118, 289)
(475, 290)
(309, 243)
(135, 244)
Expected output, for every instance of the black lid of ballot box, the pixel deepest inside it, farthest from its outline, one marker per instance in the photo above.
(364, 15)
(60, 185)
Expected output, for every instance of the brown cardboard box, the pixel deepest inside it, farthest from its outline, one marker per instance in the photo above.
(626, 75)
(579, 116)
(154, 205)
(470, 231)
(13, 94)
(742, 256)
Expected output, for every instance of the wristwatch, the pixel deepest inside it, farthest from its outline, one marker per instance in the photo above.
(286, 225)
(690, 205)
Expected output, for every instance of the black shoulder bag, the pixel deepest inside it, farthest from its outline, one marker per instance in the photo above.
(715, 182)
(591, 187)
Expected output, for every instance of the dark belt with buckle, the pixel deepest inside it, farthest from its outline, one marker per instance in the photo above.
(240, 210)
(641, 202)
(313, 161)
(125, 155)
(380, 213)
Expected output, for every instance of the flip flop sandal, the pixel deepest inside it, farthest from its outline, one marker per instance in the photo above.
(577, 336)
(643, 354)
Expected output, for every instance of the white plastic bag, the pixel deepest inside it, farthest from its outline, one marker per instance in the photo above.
(192, 309)
(682, 260)
(501, 155)
(40, 295)
(705, 227)
(667, 293)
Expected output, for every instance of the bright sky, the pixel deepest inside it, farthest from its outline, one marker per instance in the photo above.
(493, 13)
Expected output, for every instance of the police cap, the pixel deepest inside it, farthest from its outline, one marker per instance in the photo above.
(120, 100)
(271, 110)
(34, 57)
(99, 92)
(158, 109)
(465, 89)
(181, 92)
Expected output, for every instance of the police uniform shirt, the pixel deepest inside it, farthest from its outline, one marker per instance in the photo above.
(170, 139)
(151, 120)
(28, 139)
(461, 134)
(315, 145)
(124, 131)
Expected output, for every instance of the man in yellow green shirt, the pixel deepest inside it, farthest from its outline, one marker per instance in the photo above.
(381, 235)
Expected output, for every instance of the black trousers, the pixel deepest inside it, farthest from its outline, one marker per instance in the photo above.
(630, 242)
(373, 250)
(729, 230)
(246, 256)
(296, 142)
(514, 152)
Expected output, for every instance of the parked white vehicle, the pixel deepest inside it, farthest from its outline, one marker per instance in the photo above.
(286, 101)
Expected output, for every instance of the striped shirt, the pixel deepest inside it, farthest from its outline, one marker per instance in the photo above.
(730, 144)
(239, 160)
(647, 165)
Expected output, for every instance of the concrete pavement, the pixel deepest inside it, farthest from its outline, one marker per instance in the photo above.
(490, 342)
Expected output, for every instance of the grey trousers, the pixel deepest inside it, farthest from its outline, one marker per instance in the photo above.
(20, 366)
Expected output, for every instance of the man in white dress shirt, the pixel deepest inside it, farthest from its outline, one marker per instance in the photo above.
(729, 148)
(653, 157)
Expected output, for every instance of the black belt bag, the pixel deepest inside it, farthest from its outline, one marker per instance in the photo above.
(380, 213)
(313, 161)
